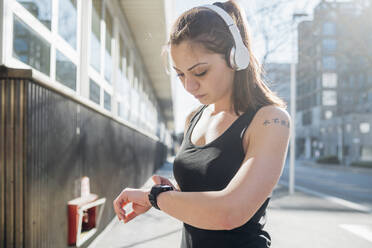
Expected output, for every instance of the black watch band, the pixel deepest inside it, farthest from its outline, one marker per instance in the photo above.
(155, 191)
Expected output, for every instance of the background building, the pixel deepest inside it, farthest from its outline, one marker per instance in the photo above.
(277, 76)
(334, 82)
(83, 92)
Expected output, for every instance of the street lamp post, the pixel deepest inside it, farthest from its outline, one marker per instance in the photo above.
(293, 106)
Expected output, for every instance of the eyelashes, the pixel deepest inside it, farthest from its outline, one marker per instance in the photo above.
(201, 74)
(198, 75)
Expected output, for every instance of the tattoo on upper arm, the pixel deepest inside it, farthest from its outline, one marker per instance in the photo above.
(276, 121)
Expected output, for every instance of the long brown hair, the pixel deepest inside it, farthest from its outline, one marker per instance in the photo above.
(204, 26)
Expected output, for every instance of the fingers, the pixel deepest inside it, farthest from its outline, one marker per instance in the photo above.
(120, 212)
(130, 216)
(119, 204)
(156, 179)
(161, 180)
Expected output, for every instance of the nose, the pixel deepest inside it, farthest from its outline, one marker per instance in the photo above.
(191, 85)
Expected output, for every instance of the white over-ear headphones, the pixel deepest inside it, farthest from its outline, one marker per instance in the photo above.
(239, 54)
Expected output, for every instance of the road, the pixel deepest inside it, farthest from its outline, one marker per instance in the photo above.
(349, 184)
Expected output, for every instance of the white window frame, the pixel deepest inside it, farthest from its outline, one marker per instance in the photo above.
(51, 36)
(80, 56)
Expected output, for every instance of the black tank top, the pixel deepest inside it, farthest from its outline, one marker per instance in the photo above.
(210, 168)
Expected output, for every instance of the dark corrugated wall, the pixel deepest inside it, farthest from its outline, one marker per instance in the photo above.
(12, 162)
(48, 142)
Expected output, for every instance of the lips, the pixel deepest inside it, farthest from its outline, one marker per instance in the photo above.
(199, 96)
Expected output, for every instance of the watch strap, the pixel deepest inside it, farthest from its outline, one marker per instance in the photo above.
(155, 191)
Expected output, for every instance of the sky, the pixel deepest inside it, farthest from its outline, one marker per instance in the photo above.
(184, 103)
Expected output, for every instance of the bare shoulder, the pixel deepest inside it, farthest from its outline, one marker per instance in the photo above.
(269, 121)
(271, 115)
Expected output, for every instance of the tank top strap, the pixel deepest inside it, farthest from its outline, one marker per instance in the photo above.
(195, 116)
(246, 119)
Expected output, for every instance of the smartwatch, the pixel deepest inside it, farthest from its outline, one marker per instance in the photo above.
(155, 191)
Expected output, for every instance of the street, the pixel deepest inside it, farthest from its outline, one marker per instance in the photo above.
(354, 185)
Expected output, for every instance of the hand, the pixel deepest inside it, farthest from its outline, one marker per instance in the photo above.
(140, 203)
(139, 199)
(163, 181)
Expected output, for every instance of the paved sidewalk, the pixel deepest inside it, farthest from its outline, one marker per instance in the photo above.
(152, 229)
(298, 220)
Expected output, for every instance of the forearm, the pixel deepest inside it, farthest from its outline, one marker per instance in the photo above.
(207, 210)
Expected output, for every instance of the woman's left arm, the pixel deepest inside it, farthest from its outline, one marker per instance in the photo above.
(266, 149)
(250, 187)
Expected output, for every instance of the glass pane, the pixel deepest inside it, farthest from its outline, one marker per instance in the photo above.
(95, 37)
(41, 9)
(329, 45)
(30, 48)
(329, 98)
(107, 101)
(65, 71)
(108, 59)
(329, 63)
(364, 127)
(94, 91)
(329, 28)
(329, 80)
(119, 110)
(67, 21)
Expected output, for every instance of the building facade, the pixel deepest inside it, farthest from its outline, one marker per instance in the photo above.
(277, 77)
(83, 92)
(334, 83)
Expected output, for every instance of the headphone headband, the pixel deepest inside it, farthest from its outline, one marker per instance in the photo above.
(239, 57)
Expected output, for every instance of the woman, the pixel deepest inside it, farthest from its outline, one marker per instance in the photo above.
(234, 146)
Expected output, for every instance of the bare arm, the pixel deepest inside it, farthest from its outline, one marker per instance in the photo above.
(255, 180)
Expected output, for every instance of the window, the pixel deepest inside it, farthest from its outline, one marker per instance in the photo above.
(95, 37)
(329, 80)
(366, 153)
(41, 9)
(364, 127)
(369, 96)
(120, 112)
(94, 92)
(109, 35)
(329, 45)
(65, 71)
(329, 28)
(329, 98)
(307, 118)
(30, 48)
(328, 114)
(329, 63)
(67, 20)
(107, 101)
(348, 128)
